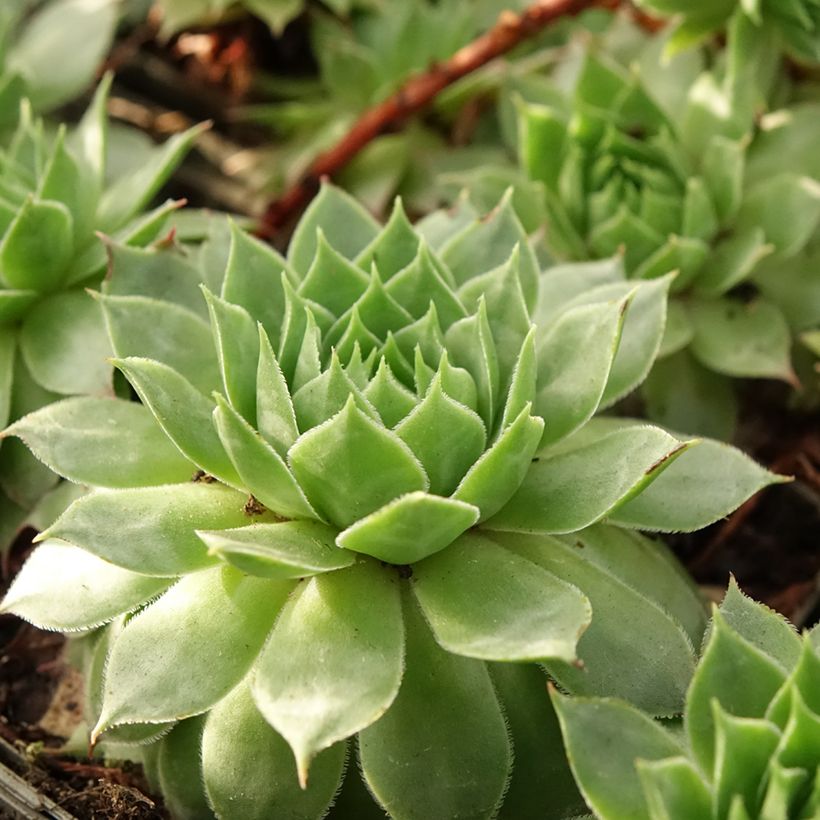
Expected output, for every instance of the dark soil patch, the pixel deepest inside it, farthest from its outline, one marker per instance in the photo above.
(772, 543)
(31, 669)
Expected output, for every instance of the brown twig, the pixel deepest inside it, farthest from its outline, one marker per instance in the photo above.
(416, 93)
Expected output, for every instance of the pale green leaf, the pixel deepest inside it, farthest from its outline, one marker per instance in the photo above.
(561, 284)
(471, 346)
(158, 272)
(790, 224)
(650, 665)
(764, 628)
(26, 261)
(732, 261)
(421, 283)
(332, 280)
(186, 651)
(65, 346)
(674, 788)
(495, 477)
(678, 331)
(285, 550)
(727, 659)
(102, 443)
(130, 193)
(575, 357)
(179, 769)
(248, 768)
(541, 785)
(237, 349)
(485, 602)
(488, 243)
(743, 750)
(681, 394)
(446, 719)
(183, 412)
(253, 280)
(705, 484)
(392, 533)
(275, 417)
(61, 48)
(578, 485)
(742, 339)
(641, 333)
(262, 470)
(723, 172)
(604, 739)
(177, 337)
(154, 526)
(330, 668)
(350, 466)
(445, 436)
(394, 248)
(65, 588)
(650, 568)
(347, 226)
(392, 400)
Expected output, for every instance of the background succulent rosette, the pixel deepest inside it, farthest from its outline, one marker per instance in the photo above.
(673, 166)
(363, 495)
(56, 192)
(793, 24)
(750, 743)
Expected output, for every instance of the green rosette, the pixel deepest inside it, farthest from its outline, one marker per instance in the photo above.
(749, 746)
(363, 504)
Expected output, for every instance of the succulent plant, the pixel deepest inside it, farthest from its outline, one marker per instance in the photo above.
(394, 512)
(796, 23)
(50, 51)
(180, 14)
(667, 166)
(54, 196)
(750, 745)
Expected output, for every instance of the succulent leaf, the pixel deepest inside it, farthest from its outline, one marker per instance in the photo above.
(352, 673)
(708, 479)
(101, 443)
(738, 762)
(578, 485)
(404, 421)
(221, 620)
(502, 602)
(624, 673)
(284, 550)
(391, 534)
(445, 718)
(239, 744)
(58, 589)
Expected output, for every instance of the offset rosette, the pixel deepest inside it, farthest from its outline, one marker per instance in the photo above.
(794, 23)
(668, 166)
(55, 195)
(752, 722)
(397, 484)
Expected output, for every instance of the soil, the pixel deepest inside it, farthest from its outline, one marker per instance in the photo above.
(40, 705)
(770, 543)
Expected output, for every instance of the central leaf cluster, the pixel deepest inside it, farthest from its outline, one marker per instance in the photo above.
(381, 394)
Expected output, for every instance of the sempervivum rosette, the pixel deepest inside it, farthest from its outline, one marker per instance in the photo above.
(794, 23)
(55, 194)
(751, 745)
(665, 170)
(396, 487)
